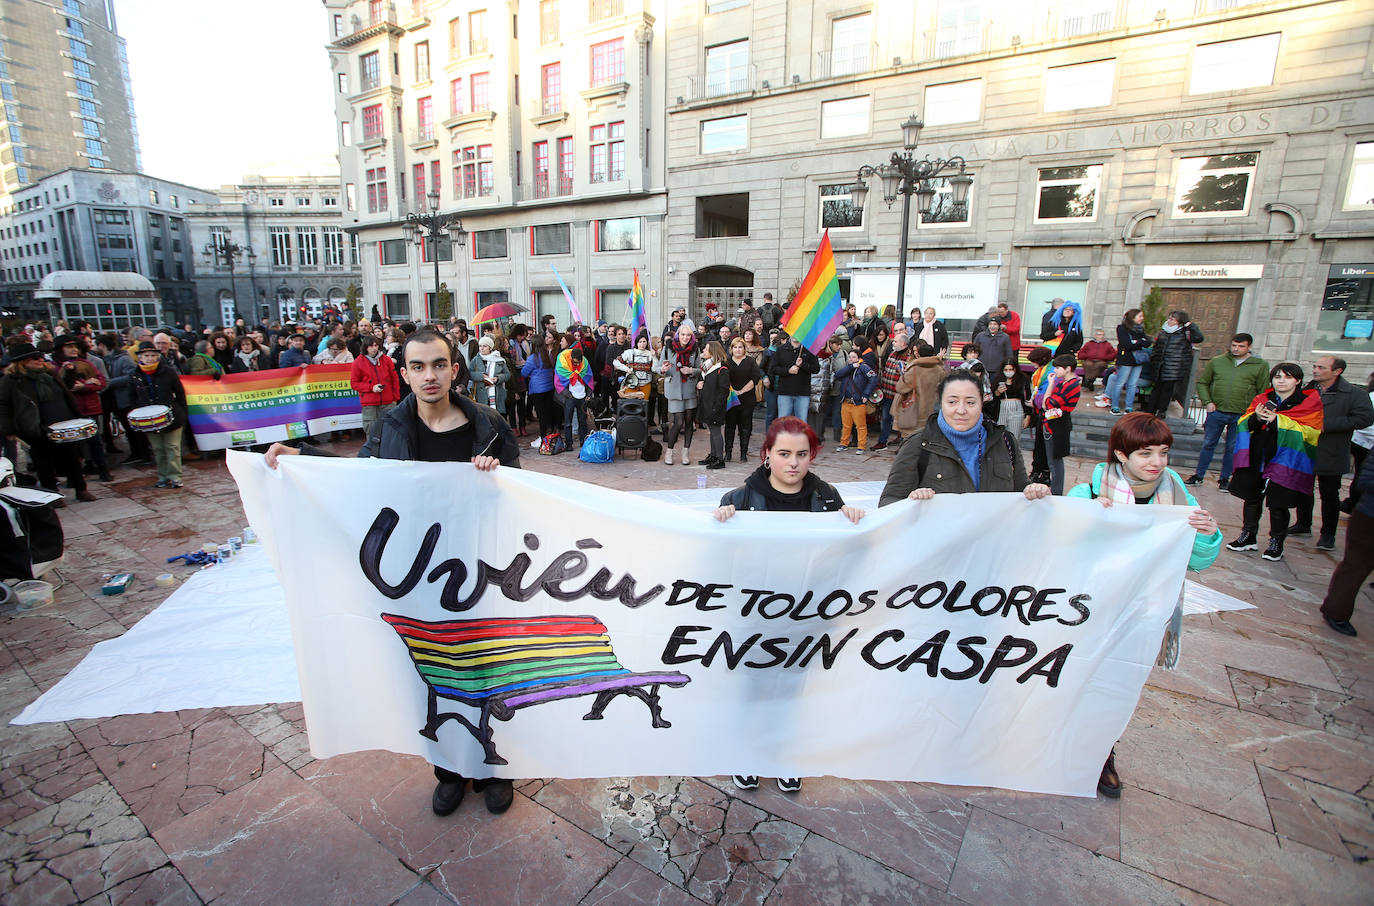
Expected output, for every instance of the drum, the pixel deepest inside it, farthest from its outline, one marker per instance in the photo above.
(150, 418)
(72, 430)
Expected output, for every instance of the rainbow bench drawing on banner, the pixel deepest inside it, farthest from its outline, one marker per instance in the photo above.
(502, 664)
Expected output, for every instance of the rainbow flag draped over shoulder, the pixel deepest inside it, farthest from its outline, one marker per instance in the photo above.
(1293, 464)
(639, 320)
(564, 375)
(817, 309)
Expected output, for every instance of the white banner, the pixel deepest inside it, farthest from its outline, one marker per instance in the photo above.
(525, 625)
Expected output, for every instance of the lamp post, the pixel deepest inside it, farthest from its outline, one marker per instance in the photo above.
(431, 225)
(223, 250)
(906, 175)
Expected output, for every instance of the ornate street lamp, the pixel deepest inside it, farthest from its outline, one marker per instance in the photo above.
(906, 175)
(429, 225)
(223, 250)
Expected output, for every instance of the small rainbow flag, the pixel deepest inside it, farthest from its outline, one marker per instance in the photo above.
(817, 308)
(732, 400)
(638, 318)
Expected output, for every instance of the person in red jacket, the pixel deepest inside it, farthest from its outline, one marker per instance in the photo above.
(1095, 356)
(1057, 416)
(1011, 324)
(375, 381)
(86, 379)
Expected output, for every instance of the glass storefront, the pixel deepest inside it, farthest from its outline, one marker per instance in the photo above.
(1346, 321)
(113, 315)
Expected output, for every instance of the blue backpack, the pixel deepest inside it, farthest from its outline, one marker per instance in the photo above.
(598, 447)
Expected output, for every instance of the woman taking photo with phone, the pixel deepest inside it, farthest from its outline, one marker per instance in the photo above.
(1275, 460)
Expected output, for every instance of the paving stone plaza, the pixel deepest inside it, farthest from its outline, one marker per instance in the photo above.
(1248, 772)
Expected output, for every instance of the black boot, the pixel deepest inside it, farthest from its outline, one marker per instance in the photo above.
(1275, 549)
(1248, 541)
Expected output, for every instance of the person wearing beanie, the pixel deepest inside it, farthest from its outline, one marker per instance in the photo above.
(31, 399)
(159, 384)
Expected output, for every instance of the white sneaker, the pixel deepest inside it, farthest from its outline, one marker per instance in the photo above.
(841, 448)
(1102, 403)
(668, 457)
(860, 451)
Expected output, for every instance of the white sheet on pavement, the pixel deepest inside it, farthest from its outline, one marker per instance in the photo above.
(222, 639)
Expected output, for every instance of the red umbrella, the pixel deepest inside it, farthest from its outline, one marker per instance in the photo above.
(496, 310)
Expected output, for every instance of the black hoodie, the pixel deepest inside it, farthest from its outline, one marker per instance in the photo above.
(758, 493)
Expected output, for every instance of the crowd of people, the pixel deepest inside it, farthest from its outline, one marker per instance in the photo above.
(451, 392)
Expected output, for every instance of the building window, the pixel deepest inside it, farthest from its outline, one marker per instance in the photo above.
(90, 128)
(424, 118)
(1085, 17)
(608, 62)
(481, 91)
(338, 25)
(329, 201)
(333, 246)
(548, 21)
(154, 221)
(351, 195)
(607, 148)
(837, 209)
(83, 88)
(729, 133)
(422, 61)
(489, 244)
(277, 202)
(397, 305)
(943, 211)
(472, 172)
(960, 27)
(551, 239)
(565, 165)
(427, 247)
(77, 48)
(418, 173)
(302, 201)
(376, 190)
(393, 251)
(551, 88)
(281, 246)
(1080, 85)
(727, 68)
(722, 215)
(152, 196)
(76, 28)
(540, 160)
(619, 235)
(477, 31)
(1359, 192)
(954, 102)
(848, 116)
(307, 243)
(346, 134)
(370, 70)
(372, 121)
(1233, 65)
(1067, 193)
(851, 45)
(434, 169)
(94, 148)
(1215, 186)
(86, 108)
(342, 82)
(81, 68)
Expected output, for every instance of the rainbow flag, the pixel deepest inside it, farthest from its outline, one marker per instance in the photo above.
(259, 407)
(567, 294)
(817, 308)
(639, 320)
(1294, 462)
(732, 400)
(564, 375)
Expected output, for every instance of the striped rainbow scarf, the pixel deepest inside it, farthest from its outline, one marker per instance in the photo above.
(1299, 427)
(564, 375)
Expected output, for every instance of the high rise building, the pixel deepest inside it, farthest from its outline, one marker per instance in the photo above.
(540, 123)
(65, 97)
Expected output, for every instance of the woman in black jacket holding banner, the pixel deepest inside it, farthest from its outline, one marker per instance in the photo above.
(785, 483)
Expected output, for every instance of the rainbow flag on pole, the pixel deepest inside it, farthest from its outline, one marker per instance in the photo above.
(258, 407)
(638, 318)
(567, 294)
(817, 309)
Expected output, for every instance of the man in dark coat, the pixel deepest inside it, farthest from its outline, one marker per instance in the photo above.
(31, 399)
(1345, 409)
(435, 424)
(789, 373)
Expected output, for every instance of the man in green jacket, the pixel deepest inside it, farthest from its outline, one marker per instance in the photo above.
(1229, 383)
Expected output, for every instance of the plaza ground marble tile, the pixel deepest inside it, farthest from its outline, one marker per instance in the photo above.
(1338, 713)
(1002, 861)
(631, 884)
(825, 873)
(1093, 823)
(1200, 851)
(275, 840)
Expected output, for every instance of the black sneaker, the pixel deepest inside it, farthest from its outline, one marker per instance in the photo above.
(1302, 530)
(746, 782)
(1341, 626)
(1326, 542)
(716, 464)
(497, 794)
(1246, 542)
(447, 797)
(789, 784)
(1193, 480)
(1224, 484)
(876, 448)
(1275, 549)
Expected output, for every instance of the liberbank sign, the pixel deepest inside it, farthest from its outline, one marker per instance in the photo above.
(1203, 271)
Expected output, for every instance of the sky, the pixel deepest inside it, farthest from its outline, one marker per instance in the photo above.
(227, 89)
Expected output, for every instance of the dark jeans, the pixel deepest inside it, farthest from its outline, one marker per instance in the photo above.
(139, 448)
(770, 399)
(51, 460)
(741, 419)
(680, 424)
(1353, 569)
(1217, 422)
(544, 406)
(1161, 397)
(717, 441)
(1359, 453)
(1329, 486)
(1278, 518)
(885, 419)
(574, 409)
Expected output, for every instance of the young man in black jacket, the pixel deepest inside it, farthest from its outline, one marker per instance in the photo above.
(435, 424)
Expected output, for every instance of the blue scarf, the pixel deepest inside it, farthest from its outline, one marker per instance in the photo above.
(968, 444)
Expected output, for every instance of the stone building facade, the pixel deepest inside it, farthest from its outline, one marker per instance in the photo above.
(1220, 152)
(540, 124)
(65, 97)
(293, 256)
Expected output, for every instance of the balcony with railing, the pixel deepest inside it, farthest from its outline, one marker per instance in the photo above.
(548, 185)
(374, 23)
(951, 42)
(847, 60)
(735, 80)
(599, 10)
